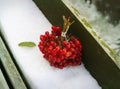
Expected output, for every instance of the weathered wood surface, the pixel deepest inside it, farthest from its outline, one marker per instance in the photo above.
(3, 83)
(14, 77)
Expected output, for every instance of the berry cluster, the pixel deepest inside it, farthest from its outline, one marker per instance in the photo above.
(60, 51)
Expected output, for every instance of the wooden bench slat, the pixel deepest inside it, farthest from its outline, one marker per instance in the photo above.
(10, 67)
(3, 83)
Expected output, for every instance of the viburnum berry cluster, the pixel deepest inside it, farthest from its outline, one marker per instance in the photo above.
(59, 49)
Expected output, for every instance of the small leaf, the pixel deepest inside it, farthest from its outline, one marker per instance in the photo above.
(27, 44)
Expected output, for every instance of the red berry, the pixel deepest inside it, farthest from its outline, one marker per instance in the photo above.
(47, 33)
(68, 54)
(60, 53)
(64, 51)
(56, 30)
(42, 37)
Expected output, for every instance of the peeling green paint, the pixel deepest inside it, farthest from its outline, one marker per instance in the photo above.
(94, 33)
(75, 11)
(86, 23)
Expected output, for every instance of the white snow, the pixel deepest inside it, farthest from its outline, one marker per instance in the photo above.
(21, 20)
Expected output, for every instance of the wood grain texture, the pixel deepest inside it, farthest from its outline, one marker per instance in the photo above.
(3, 83)
(10, 68)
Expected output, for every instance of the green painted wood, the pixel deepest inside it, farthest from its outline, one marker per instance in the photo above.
(3, 83)
(91, 30)
(10, 68)
(96, 60)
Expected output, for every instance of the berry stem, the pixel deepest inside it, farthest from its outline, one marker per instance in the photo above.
(66, 25)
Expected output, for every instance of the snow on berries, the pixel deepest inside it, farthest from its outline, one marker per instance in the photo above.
(59, 49)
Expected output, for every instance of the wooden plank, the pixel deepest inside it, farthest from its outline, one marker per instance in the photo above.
(10, 68)
(3, 83)
(96, 60)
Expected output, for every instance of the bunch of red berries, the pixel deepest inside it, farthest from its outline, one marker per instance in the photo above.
(58, 50)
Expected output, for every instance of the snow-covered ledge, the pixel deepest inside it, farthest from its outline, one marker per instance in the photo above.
(21, 20)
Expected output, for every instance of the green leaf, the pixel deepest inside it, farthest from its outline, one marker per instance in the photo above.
(27, 44)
